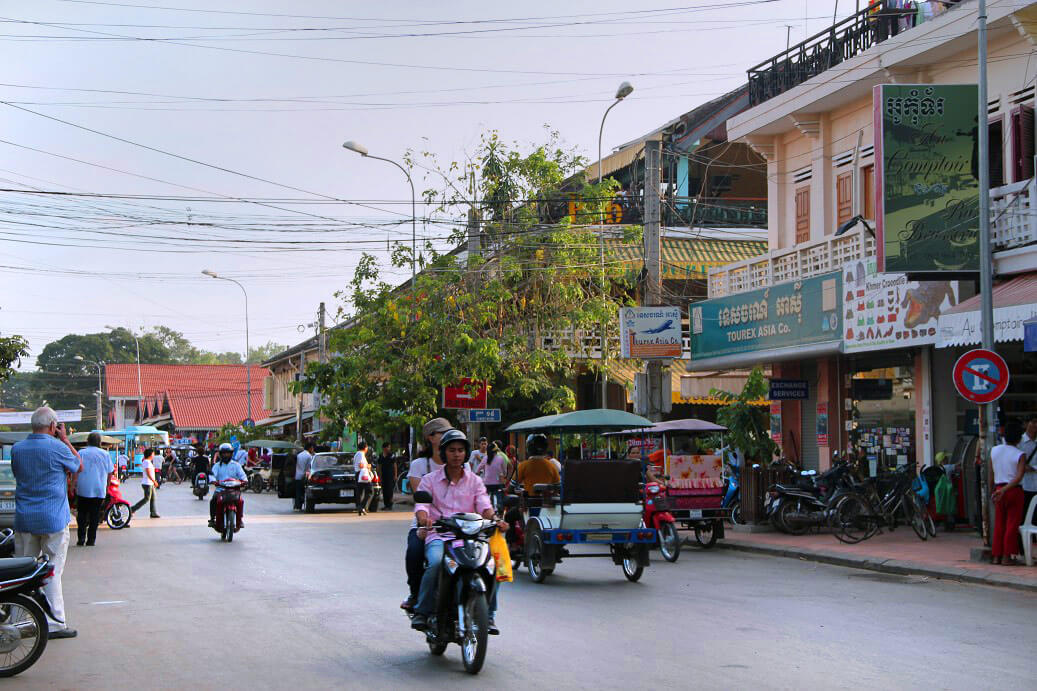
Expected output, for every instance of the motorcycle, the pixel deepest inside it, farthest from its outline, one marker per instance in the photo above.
(115, 509)
(228, 506)
(200, 486)
(467, 579)
(6, 543)
(732, 501)
(657, 515)
(23, 613)
(797, 508)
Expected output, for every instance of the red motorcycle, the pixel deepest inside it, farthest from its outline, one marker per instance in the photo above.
(229, 507)
(115, 509)
(657, 515)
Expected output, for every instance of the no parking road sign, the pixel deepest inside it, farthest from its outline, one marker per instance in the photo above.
(981, 376)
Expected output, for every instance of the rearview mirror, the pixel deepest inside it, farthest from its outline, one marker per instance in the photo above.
(422, 497)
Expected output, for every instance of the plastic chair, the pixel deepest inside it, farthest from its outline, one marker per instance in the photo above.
(1027, 530)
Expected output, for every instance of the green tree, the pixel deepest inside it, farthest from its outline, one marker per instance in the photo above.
(482, 318)
(12, 350)
(748, 425)
(258, 354)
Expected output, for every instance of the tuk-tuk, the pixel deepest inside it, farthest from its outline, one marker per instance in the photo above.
(597, 503)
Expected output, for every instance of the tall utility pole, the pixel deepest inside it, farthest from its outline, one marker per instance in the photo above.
(474, 255)
(653, 265)
(986, 259)
(322, 341)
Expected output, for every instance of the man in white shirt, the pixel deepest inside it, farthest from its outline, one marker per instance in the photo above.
(147, 483)
(1028, 446)
(479, 456)
(362, 472)
(302, 473)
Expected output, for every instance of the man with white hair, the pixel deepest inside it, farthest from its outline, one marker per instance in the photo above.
(41, 464)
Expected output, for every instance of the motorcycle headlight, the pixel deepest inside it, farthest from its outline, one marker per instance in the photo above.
(469, 527)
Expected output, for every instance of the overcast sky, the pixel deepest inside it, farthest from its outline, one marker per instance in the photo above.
(268, 91)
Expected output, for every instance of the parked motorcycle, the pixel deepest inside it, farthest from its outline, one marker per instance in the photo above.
(228, 508)
(115, 509)
(796, 508)
(6, 543)
(732, 497)
(467, 580)
(657, 515)
(200, 487)
(23, 613)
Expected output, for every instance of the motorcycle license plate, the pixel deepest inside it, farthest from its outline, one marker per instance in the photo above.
(343, 493)
(695, 513)
(7, 505)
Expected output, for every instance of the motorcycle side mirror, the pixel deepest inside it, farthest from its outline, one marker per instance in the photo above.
(422, 497)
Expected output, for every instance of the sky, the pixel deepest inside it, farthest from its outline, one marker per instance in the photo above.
(144, 141)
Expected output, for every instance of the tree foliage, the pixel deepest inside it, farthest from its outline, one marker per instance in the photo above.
(484, 317)
(748, 425)
(12, 350)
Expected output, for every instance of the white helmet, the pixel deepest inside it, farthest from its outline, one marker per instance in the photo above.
(226, 447)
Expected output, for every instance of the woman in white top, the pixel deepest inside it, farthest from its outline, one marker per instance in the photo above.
(362, 469)
(1008, 463)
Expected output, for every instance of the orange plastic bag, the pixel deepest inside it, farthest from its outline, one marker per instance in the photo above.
(501, 556)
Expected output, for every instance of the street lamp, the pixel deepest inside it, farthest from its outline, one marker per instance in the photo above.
(140, 389)
(98, 364)
(362, 150)
(624, 90)
(248, 367)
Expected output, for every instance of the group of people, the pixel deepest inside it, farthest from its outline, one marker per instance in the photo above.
(1015, 486)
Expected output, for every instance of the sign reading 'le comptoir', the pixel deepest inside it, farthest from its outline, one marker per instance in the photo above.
(927, 174)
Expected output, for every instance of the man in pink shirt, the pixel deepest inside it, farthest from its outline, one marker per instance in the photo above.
(454, 489)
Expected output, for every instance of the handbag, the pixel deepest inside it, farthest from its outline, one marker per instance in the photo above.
(501, 557)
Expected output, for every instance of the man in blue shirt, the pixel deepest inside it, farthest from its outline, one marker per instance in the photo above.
(91, 487)
(225, 467)
(41, 465)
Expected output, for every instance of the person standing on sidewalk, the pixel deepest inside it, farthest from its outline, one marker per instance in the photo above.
(1028, 445)
(1008, 462)
(302, 473)
(147, 483)
(91, 486)
(387, 472)
(362, 469)
(41, 464)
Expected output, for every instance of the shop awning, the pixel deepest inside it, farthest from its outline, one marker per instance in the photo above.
(291, 420)
(1015, 302)
(685, 257)
(274, 419)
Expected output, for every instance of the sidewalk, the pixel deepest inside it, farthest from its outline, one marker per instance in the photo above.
(901, 552)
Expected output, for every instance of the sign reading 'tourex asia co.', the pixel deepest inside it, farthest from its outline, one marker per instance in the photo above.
(785, 315)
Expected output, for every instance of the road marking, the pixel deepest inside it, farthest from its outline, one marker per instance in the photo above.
(109, 602)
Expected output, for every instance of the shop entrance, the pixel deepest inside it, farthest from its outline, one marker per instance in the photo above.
(882, 416)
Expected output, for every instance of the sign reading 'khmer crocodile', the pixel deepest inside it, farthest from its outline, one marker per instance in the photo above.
(926, 170)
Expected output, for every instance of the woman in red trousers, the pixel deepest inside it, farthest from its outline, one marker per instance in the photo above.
(1009, 464)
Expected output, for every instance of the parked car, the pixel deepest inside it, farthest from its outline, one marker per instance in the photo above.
(332, 480)
(6, 495)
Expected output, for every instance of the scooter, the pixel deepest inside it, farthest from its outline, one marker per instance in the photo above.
(23, 613)
(229, 507)
(657, 515)
(798, 508)
(467, 580)
(115, 509)
(201, 485)
(732, 500)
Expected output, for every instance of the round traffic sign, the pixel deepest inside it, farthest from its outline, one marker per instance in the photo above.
(981, 376)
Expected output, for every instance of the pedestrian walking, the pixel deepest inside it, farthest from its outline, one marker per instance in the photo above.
(387, 471)
(148, 483)
(302, 473)
(1028, 445)
(91, 486)
(1008, 462)
(41, 464)
(479, 455)
(362, 469)
(495, 473)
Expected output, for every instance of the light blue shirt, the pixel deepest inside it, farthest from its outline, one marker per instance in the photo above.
(93, 479)
(303, 463)
(40, 464)
(222, 471)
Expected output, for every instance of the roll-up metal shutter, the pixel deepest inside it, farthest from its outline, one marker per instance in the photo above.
(808, 431)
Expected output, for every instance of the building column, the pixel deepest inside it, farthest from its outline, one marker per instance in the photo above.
(923, 407)
(828, 395)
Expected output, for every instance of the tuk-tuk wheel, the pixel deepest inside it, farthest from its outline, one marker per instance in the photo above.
(534, 556)
(706, 534)
(631, 568)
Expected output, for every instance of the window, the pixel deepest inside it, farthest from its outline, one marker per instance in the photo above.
(802, 215)
(868, 192)
(1022, 143)
(843, 198)
(997, 153)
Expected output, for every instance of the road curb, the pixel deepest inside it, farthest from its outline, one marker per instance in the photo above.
(891, 566)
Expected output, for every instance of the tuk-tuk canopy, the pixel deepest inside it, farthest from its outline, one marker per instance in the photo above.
(270, 444)
(81, 438)
(686, 425)
(141, 433)
(589, 420)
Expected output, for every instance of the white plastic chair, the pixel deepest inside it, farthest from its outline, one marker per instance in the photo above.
(1027, 530)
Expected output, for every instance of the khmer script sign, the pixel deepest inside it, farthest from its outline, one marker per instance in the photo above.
(927, 178)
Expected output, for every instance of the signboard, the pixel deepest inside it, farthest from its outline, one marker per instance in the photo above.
(965, 328)
(650, 332)
(981, 376)
(1030, 336)
(479, 415)
(789, 390)
(24, 417)
(887, 310)
(788, 314)
(822, 424)
(467, 395)
(776, 422)
(926, 174)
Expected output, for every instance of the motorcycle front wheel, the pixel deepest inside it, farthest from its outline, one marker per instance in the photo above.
(118, 516)
(23, 634)
(476, 624)
(669, 542)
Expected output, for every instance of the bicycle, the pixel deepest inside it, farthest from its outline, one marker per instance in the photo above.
(862, 513)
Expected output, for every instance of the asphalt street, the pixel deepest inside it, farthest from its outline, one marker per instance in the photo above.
(311, 601)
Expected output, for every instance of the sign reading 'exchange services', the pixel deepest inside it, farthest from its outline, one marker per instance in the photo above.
(784, 315)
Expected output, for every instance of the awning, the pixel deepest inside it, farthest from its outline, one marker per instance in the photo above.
(291, 420)
(1015, 302)
(685, 257)
(274, 419)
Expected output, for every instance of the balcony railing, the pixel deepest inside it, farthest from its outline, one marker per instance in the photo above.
(586, 345)
(842, 41)
(718, 211)
(1013, 224)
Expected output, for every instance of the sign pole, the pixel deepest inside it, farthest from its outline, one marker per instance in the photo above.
(653, 265)
(986, 260)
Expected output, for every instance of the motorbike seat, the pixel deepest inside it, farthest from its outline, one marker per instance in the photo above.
(16, 567)
(792, 488)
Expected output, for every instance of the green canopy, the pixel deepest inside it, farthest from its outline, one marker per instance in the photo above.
(270, 444)
(81, 437)
(589, 420)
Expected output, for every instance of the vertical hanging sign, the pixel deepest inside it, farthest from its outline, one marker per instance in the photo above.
(822, 424)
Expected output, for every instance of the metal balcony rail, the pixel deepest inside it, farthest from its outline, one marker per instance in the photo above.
(840, 42)
(581, 344)
(1013, 214)
(716, 211)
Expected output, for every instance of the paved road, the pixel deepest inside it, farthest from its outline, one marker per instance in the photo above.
(311, 602)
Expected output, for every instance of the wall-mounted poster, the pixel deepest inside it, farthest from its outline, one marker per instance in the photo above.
(822, 424)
